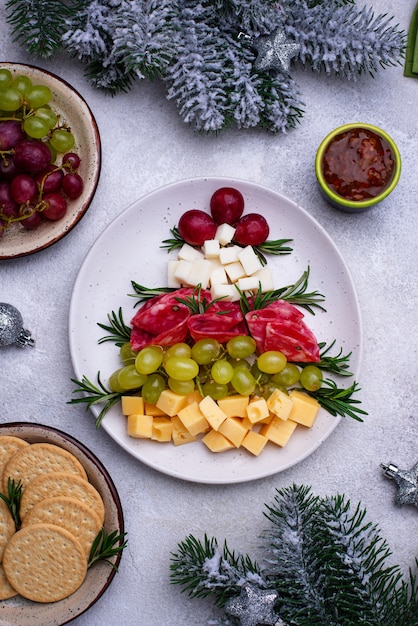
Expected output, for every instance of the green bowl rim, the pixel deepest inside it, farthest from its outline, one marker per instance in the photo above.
(360, 204)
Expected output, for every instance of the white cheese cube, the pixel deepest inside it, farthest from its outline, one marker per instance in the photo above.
(218, 276)
(224, 234)
(248, 283)
(249, 260)
(182, 270)
(199, 273)
(265, 279)
(229, 254)
(172, 280)
(227, 292)
(188, 253)
(211, 248)
(235, 271)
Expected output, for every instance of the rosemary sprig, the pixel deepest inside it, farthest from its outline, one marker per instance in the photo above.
(146, 293)
(13, 499)
(176, 241)
(338, 364)
(105, 546)
(198, 305)
(338, 401)
(273, 246)
(97, 395)
(120, 332)
(295, 294)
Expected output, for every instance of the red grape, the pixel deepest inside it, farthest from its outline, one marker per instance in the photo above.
(32, 155)
(226, 205)
(8, 206)
(10, 133)
(72, 185)
(251, 230)
(50, 179)
(72, 159)
(56, 206)
(195, 227)
(8, 168)
(32, 220)
(23, 188)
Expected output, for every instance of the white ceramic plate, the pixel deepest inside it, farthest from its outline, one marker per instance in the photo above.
(20, 612)
(73, 109)
(129, 249)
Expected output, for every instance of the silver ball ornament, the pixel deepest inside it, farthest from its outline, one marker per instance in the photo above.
(11, 327)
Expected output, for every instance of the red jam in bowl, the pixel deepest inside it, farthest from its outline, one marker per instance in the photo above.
(358, 164)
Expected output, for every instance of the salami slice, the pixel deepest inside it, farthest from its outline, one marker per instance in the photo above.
(222, 321)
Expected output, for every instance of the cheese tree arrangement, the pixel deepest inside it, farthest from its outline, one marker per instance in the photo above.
(323, 564)
(223, 62)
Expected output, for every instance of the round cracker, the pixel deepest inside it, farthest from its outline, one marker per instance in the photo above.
(7, 526)
(41, 458)
(9, 445)
(6, 590)
(69, 513)
(61, 484)
(44, 563)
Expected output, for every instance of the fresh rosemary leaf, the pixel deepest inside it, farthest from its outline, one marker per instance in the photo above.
(105, 546)
(146, 293)
(338, 364)
(338, 401)
(275, 247)
(13, 499)
(96, 395)
(175, 242)
(120, 332)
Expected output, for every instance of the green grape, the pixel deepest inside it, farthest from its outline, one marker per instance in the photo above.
(240, 364)
(266, 390)
(243, 381)
(149, 359)
(35, 127)
(271, 361)
(215, 390)
(129, 378)
(38, 95)
(48, 116)
(222, 372)
(179, 349)
(152, 388)
(205, 351)
(261, 377)
(181, 368)
(182, 387)
(311, 378)
(241, 347)
(288, 376)
(62, 140)
(22, 84)
(5, 78)
(114, 383)
(10, 99)
(127, 355)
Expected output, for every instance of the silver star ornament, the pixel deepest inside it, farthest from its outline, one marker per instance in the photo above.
(407, 481)
(254, 606)
(275, 51)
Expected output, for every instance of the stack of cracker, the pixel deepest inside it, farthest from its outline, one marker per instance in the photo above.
(61, 512)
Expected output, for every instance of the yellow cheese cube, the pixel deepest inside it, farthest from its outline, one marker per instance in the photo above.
(254, 442)
(195, 396)
(280, 404)
(212, 412)
(234, 406)
(170, 403)
(180, 434)
(216, 442)
(162, 429)
(234, 430)
(257, 410)
(140, 426)
(132, 404)
(305, 409)
(278, 431)
(152, 409)
(193, 419)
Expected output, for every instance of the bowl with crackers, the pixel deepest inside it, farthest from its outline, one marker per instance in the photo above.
(61, 526)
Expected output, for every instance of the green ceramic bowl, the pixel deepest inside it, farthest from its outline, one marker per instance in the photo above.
(340, 201)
